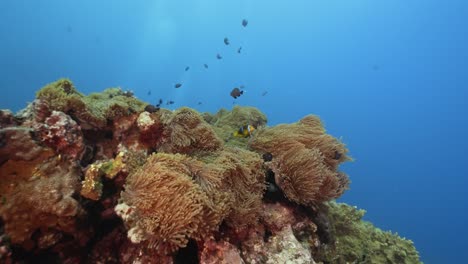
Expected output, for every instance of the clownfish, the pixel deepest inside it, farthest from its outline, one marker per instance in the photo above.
(245, 131)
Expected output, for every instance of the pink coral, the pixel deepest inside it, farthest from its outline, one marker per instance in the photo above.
(219, 252)
(60, 132)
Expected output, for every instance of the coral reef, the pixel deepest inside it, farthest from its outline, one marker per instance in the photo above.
(359, 241)
(60, 132)
(162, 205)
(186, 132)
(173, 198)
(106, 178)
(225, 122)
(93, 111)
(304, 159)
(37, 195)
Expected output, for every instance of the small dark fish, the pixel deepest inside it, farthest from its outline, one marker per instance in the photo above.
(245, 22)
(187, 68)
(376, 67)
(151, 108)
(267, 156)
(239, 50)
(264, 93)
(218, 56)
(199, 103)
(159, 103)
(169, 102)
(226, 41)
(178, 85)
(149, 92)
(205, 65)
(337, 155)
(69, 29)
(236, 92)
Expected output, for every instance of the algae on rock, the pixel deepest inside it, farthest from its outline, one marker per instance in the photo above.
(358, 241)
(94, 110)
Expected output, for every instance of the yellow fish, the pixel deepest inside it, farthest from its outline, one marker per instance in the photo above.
(245, 131)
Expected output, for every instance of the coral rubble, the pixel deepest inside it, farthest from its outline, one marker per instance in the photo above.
(104, 178)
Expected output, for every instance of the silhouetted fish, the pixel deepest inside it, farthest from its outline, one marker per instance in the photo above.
(218, 56)
(178, 85)
(239, 50)
(245, 22)
(205, 65)
(151, 108)
(159, 102)
(226, 41)
(169, 102)
(264, 93)
(187, 68)
(236, 92)
(149, 92)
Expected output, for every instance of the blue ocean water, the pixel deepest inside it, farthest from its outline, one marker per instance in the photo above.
(389, 77)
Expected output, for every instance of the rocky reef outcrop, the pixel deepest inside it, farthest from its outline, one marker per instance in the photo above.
(105, 178)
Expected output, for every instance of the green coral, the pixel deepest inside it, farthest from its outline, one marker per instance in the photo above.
(225, 123)
(94, 110)
(358, 241)
(91, 186)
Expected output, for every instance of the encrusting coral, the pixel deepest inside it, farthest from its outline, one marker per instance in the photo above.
(93, 111)
(37, 195)
(60, 132)
(358, 241)
(106, 178)
(304, 159)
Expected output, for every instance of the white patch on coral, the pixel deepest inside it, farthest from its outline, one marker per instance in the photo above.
(123, 210)
(136, 235)
(144, 121)
(285, 248)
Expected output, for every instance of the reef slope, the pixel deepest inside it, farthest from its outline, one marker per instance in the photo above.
(105, 178)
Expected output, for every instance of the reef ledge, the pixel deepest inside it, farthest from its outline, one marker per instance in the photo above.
(107, 178)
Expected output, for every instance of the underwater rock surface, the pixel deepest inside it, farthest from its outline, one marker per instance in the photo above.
(97, 179)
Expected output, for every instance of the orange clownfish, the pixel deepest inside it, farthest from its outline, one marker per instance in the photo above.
(245, 131)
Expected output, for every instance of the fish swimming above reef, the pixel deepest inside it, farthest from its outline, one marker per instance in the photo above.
(187, 68)
(151, 108)
(239, 50)
(159, 102)
(178, 85)
(218, 56)
(236, 92)
(245, 131)
(170, 102)
(205, 65)
(226, 41)
(245, 22)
